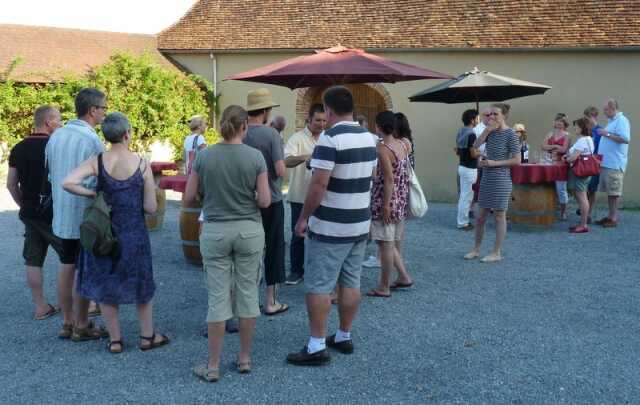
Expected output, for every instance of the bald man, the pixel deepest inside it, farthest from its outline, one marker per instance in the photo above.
(614, 148)
(25, 181)
(279, 123)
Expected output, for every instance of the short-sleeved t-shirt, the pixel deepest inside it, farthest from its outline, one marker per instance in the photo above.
(27, 157)
(228, 176)
(614, 155)
(344, 215)
(268, 141)
(300, 143)
(584, 145)
(189, 141)
(464, 142)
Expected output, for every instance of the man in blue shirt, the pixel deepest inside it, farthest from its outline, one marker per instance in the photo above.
(67, 148)
(614, 148)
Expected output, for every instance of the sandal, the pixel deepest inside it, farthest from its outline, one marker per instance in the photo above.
(377, 294)
(113, 350)
(91, 332)
(152, 344)
(243, 368)
(281, 309)
(398, 285)
(66, 331)
(51, 312)
(208, 374)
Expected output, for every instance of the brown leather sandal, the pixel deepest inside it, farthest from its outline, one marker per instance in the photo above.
(152, 344)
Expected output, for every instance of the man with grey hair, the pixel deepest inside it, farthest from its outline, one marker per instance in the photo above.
(68, 147)
(614, 148)
(279, 123)
(28, 185)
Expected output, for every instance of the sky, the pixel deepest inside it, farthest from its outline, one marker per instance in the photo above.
(133, 16)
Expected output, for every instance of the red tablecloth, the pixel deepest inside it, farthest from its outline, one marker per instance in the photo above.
(175, 183)
(537, 173)
(157, 167)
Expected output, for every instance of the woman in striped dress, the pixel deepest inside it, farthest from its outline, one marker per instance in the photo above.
(502, 151)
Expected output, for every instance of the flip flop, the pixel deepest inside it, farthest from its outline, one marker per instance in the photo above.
(51, 312)
(397, 285)
(281, 309)
(377, 294)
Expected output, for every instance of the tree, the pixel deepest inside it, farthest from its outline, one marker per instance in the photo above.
(158, 101)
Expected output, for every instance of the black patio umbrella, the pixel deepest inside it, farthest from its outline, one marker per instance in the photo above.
(476, 86)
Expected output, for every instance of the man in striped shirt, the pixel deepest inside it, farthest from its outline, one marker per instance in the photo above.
(335, 220)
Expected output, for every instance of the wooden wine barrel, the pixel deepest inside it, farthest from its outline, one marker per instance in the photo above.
(190, 233)
(156, 220)
(533, 205)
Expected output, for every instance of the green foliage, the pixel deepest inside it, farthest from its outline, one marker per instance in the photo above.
(158, 101)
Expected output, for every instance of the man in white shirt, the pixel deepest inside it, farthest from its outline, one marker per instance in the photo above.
(195, 141)
(297, 152)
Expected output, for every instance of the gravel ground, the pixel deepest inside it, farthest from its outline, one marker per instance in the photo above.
(555, 322)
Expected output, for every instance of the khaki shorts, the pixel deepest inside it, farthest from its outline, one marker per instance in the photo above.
(611, 182)
(387, 232)
(231, 254)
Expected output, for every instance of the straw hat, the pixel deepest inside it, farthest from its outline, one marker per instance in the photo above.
(259, 99)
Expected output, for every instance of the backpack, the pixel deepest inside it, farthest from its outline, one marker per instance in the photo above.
(96, 236)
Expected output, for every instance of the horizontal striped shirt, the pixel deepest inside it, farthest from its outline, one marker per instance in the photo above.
(349, 152)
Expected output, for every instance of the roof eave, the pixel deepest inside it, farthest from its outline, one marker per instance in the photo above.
(635, 48)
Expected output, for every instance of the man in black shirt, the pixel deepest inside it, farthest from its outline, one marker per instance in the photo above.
(468, 167)
(25, 182)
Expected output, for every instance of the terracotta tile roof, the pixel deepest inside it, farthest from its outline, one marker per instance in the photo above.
(50, 53)
(308, 24)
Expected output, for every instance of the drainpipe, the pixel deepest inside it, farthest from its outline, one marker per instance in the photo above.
(214, 71)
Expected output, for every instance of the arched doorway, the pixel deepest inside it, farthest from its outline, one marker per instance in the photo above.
(369, 100)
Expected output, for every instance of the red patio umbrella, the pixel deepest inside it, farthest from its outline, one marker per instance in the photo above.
(337, 65)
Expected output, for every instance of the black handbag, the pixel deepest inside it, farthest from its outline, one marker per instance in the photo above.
(44, 208)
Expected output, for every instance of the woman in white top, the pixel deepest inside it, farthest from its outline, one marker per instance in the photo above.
(194, 142)
(579, 185)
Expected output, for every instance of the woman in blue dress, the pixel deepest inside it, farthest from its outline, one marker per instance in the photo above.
(127, 183)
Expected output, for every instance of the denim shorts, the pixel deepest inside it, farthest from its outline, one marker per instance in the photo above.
(328, 264)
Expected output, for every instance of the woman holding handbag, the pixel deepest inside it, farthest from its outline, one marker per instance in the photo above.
(389, 199)
(581, 153)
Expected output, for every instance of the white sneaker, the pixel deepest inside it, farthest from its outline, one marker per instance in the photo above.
(371, 262)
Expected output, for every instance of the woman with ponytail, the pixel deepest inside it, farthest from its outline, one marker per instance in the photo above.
(230, 179)
(389, 197)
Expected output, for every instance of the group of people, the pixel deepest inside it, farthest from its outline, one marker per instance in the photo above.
(347, 186)
(487, 148)
(54, 174)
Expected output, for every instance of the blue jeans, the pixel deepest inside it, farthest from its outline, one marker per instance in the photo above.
(296, 250)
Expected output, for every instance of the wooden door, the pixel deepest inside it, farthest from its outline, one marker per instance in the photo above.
(368, 102)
